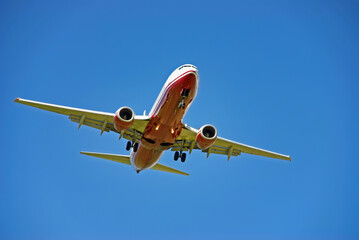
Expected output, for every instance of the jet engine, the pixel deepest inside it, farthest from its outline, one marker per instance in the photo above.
(206, 136)
(124, 118)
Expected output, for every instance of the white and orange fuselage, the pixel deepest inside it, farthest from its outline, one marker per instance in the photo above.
(166, 114)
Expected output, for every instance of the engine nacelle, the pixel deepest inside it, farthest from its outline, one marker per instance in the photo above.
(124, 118)
(206, 136)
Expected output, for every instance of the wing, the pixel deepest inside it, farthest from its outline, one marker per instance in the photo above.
(187, 139)
(100, 120)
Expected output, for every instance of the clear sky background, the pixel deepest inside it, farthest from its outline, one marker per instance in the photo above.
(279, 75)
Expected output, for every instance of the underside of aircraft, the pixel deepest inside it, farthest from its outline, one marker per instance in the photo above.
(162, 129)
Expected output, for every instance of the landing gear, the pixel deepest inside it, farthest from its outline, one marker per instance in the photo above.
(130, 144)
(180, 155)
(184, 95)
(183, 157)
(135, 147)
(185, 92)
(182, 104)
(176, 156)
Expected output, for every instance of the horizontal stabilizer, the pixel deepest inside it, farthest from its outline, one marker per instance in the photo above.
(126, 160)
(164, 168)
(113, 157)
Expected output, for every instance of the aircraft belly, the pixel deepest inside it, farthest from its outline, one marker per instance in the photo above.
(166, 122)
(145, 157)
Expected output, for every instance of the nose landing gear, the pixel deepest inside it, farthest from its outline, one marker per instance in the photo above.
(184, 95)
(182, 104)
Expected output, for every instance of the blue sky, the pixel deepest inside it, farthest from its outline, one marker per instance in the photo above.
(280, 75)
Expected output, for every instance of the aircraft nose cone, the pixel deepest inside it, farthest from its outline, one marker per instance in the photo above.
(195, 70)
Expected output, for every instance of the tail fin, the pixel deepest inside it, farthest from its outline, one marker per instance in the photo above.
(126, 160)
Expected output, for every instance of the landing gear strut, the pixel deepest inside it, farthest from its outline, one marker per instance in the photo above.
(184, 95)
(180, 155)
(182, 104)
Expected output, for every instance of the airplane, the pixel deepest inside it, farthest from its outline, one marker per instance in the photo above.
(162, 129)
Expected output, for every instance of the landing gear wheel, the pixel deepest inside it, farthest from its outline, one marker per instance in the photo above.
(183, 105)
(176, 156)
(135, 147)
(128, 146)
(183, 157)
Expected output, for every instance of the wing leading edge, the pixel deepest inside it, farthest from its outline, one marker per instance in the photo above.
(96, 119)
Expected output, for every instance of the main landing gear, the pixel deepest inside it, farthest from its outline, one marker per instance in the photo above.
(180, 155)
(132, 144)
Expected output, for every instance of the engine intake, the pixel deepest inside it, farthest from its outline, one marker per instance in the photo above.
(206, 136)
(124, 118)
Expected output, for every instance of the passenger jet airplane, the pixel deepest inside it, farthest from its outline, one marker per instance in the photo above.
(150, 135)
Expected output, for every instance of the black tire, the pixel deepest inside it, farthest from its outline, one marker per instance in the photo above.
(128, 146)
(183, 157)
(176, 156)
(135, 147)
